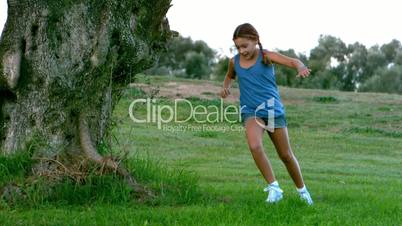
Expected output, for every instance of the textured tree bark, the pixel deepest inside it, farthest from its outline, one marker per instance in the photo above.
(66, 62)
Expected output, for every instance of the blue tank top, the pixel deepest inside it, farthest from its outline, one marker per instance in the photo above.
(258, 89)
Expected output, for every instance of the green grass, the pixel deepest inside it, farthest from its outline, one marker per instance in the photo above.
(348, 145)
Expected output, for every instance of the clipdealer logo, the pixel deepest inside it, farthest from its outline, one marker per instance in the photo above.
(163, 114)
(270, 114)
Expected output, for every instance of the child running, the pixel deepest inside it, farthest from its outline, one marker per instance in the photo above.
(261, 107)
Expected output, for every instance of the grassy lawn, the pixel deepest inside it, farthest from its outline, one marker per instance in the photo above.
(348, 145)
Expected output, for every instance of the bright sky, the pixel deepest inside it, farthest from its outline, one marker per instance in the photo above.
(3, 13)
(283, 24)
(288, 24)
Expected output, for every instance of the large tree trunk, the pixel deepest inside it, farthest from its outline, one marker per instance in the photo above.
(63, 65)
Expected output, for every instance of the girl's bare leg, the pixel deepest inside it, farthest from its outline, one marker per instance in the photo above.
(280, 139)
(254, 134)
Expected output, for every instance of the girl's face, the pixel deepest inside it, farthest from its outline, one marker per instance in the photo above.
(246, 47)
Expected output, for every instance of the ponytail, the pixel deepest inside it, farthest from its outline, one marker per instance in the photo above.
(265, 57)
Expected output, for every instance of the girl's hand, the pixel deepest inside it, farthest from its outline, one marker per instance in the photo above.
(225, 92)
(303, 72)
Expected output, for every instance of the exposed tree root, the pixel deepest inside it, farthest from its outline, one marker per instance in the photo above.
(106, 162)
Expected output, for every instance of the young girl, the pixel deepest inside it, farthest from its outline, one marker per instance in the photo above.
(261, 106)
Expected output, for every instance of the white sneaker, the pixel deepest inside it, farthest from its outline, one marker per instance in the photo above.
(305, 196)
(274, 193)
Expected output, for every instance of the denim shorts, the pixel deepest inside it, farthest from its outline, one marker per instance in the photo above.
(279, 122)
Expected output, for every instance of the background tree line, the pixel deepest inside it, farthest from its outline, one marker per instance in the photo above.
(334, 65)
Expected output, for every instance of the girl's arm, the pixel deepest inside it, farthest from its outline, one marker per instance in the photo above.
(302, 70)
(228, 79)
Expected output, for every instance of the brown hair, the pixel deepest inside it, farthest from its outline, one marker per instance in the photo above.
(247, 30)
